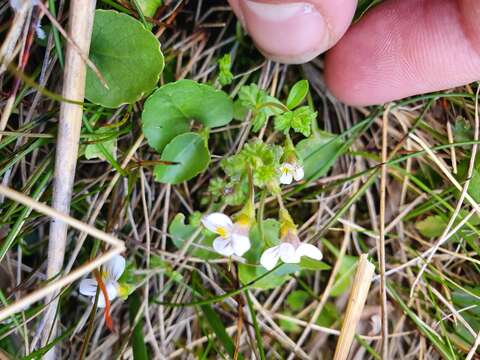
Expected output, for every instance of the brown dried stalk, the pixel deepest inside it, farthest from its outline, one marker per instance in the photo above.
(70, 121)
(356, 302)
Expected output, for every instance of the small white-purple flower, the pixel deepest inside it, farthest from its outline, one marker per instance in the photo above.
(289, 251)
(233, 237)
(40, 32)
(290, 172)
(110, 273)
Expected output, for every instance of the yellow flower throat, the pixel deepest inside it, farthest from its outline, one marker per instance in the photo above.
(221, 231)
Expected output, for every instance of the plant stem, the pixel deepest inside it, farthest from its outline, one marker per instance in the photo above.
(70, 121)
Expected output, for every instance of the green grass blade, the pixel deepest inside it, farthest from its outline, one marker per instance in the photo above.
(138, 339)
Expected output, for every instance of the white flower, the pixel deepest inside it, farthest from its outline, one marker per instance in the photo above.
(290, 172)
(110, 273)
(233, 237)
(289, 251)
(40, 32)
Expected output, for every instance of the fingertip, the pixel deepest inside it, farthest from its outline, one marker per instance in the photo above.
(294, 31)
(403, 48)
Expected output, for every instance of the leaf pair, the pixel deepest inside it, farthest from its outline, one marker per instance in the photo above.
(129, 58)
(166, 122)
(297, 118)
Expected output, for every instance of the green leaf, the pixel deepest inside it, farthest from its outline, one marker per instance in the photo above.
(284, 122)
(328, 316)
(169, 110)
(307, 263)
(474, 186)
(181, 232)
(262, 105)
(297, 299)
(239, 111)
(225, 64)
(214, 320)
(38, 354)
(297, 94)
(432, 226)
(251, 96)
(250, 272)
(270, 229)
(218, 328)
(149, 7)
(288, 325)
(299, 120)
(261, 158)
(462, 130)
(318, 154)
(302, 120)
(94, 150)
(345, 275)
(191, 155)
(127, 55)
(139, 348)
(258, 120)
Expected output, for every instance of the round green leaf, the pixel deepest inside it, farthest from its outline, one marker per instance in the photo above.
(127, 55)
(149, 7)
(168, 111)
(191, 155)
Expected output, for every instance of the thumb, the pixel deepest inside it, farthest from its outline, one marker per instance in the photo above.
(292, 31)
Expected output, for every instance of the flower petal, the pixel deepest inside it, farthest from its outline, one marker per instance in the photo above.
(88, 287)
(286, 178)
(286, 167)
(112, 293)
(288, 253)
(298, 173)
(217, 221)
(309, 250)
(240, 244)
(223, 246)
(270, 257)
(115, 267)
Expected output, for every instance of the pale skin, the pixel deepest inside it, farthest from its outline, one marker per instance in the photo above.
(398, 49)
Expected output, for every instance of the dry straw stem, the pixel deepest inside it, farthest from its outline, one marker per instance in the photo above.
(56, 285)
(7, 50)
(381, 240)
(356, 302)
(70, 121)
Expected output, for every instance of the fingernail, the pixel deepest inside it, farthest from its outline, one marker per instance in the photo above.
(287, 32)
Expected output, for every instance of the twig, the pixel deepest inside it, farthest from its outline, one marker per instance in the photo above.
(7, 50)
(70, 121)
(452, 149)
(74, 275)
(356, 302)
(381, 241)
